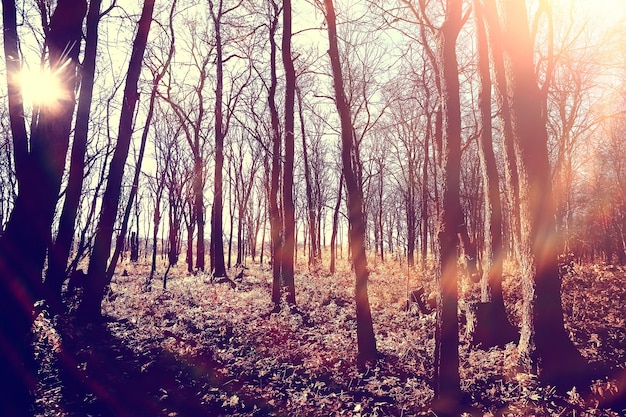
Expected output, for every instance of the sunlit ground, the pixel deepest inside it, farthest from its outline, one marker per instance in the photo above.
(200, 347)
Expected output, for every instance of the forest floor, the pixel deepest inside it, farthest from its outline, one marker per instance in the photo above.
(200, 348)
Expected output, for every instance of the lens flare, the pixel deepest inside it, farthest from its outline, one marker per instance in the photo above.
(41, 87)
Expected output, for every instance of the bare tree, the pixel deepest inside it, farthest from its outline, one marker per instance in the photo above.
(90, 308)
(39, 166)
(447, 380)
(543, 341)
(366, 341)
(60, 250)
(274, 209)
(289, 221)
(498, 329)
(314, 251)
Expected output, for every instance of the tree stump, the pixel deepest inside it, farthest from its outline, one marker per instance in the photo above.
(488, 327)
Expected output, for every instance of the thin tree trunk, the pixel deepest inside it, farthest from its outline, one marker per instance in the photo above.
(135, 187)
(60, 250)
(380, 238)
(231, 211)
(366, 341)
(424, 220)
(262, 253)
(333, 236)
(97, 282)
(155, 236)
(189, 253)
(313, 238)
(289, 209)
(498, 329)
(447, 380)
(274, 211)
(174, 228)
(411, 215)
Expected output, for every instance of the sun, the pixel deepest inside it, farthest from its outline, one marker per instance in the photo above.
(40, 87)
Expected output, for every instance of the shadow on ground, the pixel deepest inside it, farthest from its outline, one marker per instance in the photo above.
(99, 375)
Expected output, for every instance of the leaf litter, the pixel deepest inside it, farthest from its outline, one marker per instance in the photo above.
(201, 348)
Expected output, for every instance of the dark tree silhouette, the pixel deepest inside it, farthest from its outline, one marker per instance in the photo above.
(158, 74)
(60, 250)
(289, 209)
(39, 162)
(218, 266)
(274, 210)
(98, 279)
(366, 341)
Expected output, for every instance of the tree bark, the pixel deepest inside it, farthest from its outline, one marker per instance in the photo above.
(289, 209)
(510, 161)
(313, 252)
(39, 169)
(189, 252)
(447, 380)
(333, 236)
(274, 210)
(544, 341)
(498, 327)
(217, 243)
(60, 250)
(366, 341)
(97, 282)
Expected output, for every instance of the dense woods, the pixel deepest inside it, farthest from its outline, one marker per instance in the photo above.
(416, 207)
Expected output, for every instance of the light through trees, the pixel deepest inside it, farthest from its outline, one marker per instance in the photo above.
(42, 87)
(433, 141)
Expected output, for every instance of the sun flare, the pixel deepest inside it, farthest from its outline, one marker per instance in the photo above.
(40, 87)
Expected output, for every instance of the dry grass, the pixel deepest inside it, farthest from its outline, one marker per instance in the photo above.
(228, 354)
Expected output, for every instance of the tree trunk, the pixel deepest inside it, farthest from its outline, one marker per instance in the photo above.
(447, 380)
(240, 236)
(132, 199)
(189, 252)
(174, 229)
(411, 214)
(90, 308)
(217, 242)
(289, 209)
(231, 211)
(39, 172)
(497, 328)
(274, 211)
(155, 235)
(543, 340)
(366, 341)
(510, 165)
(381, 232)
(60, 250)
(424, 219)
(333, 236)
(313, 252)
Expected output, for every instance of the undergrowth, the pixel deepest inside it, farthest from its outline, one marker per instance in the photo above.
(201, 348)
